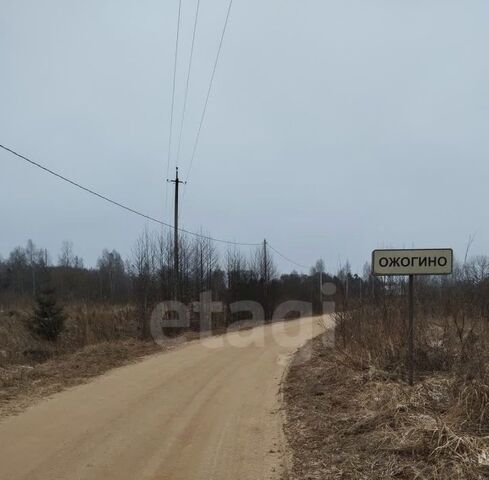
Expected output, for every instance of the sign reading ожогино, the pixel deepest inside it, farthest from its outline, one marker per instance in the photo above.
(412, 262)
(430, 261)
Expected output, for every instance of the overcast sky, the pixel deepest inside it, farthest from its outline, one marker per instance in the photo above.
(334, 126)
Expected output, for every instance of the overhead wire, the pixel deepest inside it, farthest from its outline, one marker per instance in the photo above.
(118, 204)
(143, 215)
(195, 146)
(172, 110)
(209, 90)
(189, 70)
(170, 137)
(286, 258)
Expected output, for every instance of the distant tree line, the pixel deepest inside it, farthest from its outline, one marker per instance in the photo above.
(147, 276)
(28, 270)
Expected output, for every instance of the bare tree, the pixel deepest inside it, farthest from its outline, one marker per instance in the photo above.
(165, 264)
(67, 257)
(112, 274)
(144, 269)
(477, 268)
(205, 262)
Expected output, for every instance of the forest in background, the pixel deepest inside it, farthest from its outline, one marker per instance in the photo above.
(114, 299)
(52, 304)
(147, 275)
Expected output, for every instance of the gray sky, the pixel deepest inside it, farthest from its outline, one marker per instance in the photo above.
(334, 127)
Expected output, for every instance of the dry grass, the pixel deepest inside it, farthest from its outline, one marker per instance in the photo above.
(96, 338)
(22, 385)
(86, 324)
(348, 420)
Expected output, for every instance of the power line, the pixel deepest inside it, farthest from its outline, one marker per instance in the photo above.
(188, 81)
(286, 258)
(173, 97)
(118, 204)
(143, 215)
(209, 89)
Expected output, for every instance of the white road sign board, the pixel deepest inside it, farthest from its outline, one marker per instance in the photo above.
(431, 261)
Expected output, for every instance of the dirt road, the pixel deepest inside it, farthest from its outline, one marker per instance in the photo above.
(206, 411)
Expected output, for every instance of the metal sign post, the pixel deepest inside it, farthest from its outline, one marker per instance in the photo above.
(411, 331)
(411, 262)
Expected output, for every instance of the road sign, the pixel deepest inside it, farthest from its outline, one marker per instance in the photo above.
(411, 262)
(431, 261)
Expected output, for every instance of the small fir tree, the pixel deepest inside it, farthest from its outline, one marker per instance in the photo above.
(48, 319)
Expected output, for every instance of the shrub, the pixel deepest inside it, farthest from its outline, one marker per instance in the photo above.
(48, 319)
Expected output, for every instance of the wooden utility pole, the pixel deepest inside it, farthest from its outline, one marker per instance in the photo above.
(265, 279)
(320, 290)
(176, 260)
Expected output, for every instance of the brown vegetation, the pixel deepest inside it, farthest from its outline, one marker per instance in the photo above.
(86, 324)
(96, 338)
(21, 384)
(351, 414)
(350, 422)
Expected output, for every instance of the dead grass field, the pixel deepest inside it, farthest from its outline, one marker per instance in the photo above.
(347, 421)
(96, 339)
(23, 385)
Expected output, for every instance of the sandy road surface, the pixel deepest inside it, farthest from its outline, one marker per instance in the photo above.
(207, 411)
